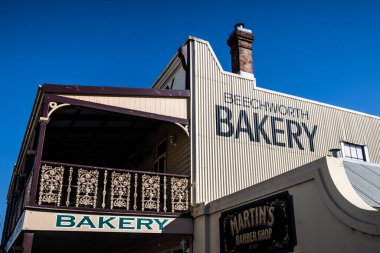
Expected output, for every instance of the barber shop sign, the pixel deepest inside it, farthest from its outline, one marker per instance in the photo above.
(266, 225)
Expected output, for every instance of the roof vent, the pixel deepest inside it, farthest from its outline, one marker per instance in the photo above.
(336, 152)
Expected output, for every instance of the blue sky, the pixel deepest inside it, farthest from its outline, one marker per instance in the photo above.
(322, 50)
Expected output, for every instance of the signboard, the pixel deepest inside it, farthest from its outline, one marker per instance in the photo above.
(266, 225)
(49, 221)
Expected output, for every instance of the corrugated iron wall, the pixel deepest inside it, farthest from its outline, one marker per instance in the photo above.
(177, 155)
(173, 107)
(178, 158)
(227, 164)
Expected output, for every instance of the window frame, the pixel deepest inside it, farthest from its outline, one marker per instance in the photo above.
(160, 157)
(351, 145)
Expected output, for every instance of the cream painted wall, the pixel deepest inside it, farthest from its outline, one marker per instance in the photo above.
(229, 162)
(177, 156)
(325, 219)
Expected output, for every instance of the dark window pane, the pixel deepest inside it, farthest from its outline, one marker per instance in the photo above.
(161, 149)
(161, 164)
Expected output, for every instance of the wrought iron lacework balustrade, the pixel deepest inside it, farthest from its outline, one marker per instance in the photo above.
(87, 188)
(90, 187)
(120, 190)
(51, 185)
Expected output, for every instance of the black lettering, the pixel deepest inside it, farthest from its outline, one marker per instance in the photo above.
(226, 121)
(294, 135)
(228, 98)
(245, 101)
(297, 112)
(276, 131)
(265, 105)
(272, 107)
(237, 99)
(284, 111)
(259, 128)
(305, 114)
(291, 111)
(257, 103)
(310, 136)
(240, 128)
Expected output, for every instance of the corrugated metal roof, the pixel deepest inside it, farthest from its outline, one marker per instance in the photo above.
(365, 178)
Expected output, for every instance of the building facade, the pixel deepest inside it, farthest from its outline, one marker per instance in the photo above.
(204, 161)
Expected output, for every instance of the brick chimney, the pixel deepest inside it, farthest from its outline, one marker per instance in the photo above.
(240, 42)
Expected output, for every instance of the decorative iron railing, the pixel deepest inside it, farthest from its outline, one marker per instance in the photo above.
(113, 189)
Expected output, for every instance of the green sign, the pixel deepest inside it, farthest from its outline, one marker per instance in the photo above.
(110, 222)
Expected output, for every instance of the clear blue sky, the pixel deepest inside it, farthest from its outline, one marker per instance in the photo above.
(322, 50)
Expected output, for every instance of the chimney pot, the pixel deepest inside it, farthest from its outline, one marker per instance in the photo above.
(240, 42)
(241, 25)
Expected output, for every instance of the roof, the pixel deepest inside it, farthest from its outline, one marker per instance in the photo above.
(365, 178)
(111, 91)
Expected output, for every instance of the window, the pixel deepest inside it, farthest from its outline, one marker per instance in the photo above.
(159, 164)
(354, 151)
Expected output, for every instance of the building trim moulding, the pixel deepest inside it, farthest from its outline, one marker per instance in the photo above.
(53, 106)
(113, 169)
(99, 211)
(16, 232)
(32, 123)
(112, 91)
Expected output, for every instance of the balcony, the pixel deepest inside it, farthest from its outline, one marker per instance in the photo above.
(68, 166)
(70, 186)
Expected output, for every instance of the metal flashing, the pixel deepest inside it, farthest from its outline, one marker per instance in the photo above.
(113, 91)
